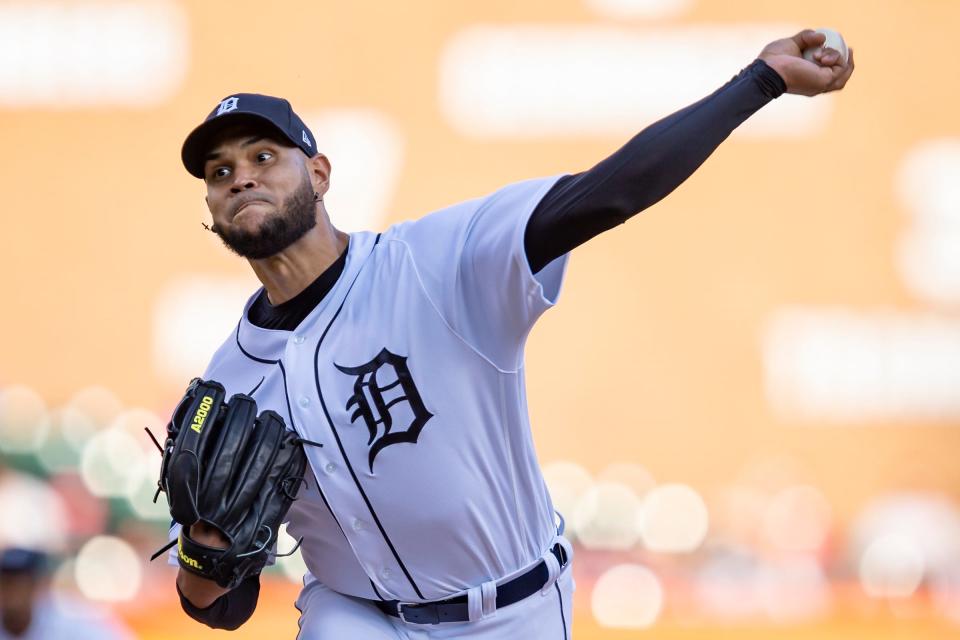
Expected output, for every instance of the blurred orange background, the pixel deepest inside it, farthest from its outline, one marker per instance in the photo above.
(777, 343)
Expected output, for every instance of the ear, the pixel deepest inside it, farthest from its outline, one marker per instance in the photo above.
(319, 169)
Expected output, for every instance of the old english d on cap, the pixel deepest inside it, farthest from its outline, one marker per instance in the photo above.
(276, 112)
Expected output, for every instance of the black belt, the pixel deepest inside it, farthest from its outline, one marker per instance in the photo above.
(456, 609)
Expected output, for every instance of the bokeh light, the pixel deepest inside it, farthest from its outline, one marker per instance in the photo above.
(141, 499)
(840, 365)
(567, 482)
(82, 54)
(648, 9)
(900, 526)
(181, 347)
(503, 81)
(88, 410)
(366, 148)
(892, 566)
(32, 515)
(114, 463)
(929, 189)
(107, 569)
(627, 596)
(605, 517)
(673, 519)
(56, 453)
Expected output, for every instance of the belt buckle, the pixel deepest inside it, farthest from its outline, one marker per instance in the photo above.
(422, 607)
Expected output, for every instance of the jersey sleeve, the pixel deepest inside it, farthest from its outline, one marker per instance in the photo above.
(471, 261)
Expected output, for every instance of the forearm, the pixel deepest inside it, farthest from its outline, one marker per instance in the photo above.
(199, 591)
(207, 602)
(645, 170)
(229, 610)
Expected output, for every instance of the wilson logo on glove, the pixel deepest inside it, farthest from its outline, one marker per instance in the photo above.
(184, 557)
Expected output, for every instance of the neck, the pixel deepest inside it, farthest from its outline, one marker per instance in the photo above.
(289, 272)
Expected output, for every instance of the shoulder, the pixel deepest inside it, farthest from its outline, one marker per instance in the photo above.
(456, 219)
(229, 347)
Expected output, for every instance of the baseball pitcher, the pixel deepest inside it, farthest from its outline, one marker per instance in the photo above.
(372, 393)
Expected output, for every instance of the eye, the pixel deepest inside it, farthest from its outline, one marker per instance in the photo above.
(218, 173)
(263, 156)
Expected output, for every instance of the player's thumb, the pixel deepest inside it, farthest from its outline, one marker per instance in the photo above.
(809, 38)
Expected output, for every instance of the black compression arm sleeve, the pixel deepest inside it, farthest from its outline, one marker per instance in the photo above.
(230, 610)
(651, 165)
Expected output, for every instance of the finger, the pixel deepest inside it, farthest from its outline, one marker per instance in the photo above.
(830, 57)
(848, 70)
(809, 38)
(843, 73)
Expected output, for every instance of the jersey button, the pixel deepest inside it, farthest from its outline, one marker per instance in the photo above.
(385, 573)
(304, 401)
(330, 468)
(358, 524)
(298, 339)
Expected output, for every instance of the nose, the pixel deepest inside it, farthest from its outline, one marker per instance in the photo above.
(244, 178)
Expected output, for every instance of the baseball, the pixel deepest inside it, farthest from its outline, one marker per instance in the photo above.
(834, 41)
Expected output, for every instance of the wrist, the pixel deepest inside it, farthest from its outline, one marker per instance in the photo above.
(197, 590)
(206, 535)
(770, 76)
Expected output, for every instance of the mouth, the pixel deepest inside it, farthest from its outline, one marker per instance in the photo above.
(246, 204)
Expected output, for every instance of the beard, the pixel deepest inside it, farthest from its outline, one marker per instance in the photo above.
(297, 215)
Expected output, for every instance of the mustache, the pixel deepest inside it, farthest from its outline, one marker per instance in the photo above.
(245, 198)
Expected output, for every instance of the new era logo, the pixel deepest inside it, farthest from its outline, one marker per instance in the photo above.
(227, 105)
(306, 139)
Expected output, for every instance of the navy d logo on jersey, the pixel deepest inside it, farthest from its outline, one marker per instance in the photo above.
(385, 394)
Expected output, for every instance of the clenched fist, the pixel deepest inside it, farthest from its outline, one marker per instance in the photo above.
(826, 73)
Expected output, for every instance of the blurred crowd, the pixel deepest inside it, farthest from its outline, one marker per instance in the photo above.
(79, 522)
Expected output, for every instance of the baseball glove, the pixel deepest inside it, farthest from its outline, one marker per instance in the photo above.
(229, 468)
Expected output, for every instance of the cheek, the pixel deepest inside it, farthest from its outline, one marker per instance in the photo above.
(216, 205)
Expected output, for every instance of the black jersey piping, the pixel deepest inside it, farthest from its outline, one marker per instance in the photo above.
(254, 390)
(563, 619)
(286, 395)
(343, 452)
(327, 505)
(248, 354)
